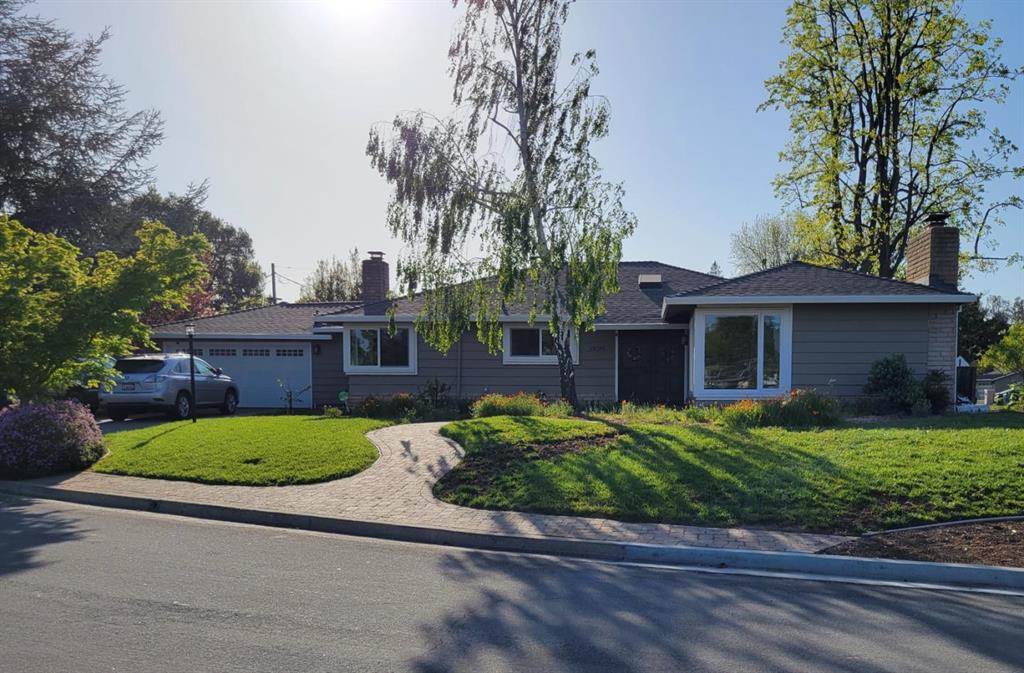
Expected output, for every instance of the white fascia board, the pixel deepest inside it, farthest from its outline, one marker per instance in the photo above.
(225, 336)
(751, 300)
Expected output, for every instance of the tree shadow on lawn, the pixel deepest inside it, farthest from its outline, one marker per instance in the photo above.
(1001, 420)
(572, 615)
(724, 477)
(152, 438)
(24, 532)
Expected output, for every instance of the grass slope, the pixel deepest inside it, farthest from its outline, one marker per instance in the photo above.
(846, 480)
(248, 450)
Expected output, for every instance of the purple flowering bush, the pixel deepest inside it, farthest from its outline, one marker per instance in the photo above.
(39, 439)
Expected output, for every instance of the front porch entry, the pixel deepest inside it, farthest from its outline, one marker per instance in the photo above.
(652, 366)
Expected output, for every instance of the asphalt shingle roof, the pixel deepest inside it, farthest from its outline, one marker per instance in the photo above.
(803, 279)
(631, 304)
(275, 319)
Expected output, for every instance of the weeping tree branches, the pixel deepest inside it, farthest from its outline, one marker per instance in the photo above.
(503, 204)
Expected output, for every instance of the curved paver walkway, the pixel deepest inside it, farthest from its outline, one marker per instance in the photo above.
(397, 489)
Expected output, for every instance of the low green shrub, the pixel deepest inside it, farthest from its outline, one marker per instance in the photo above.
(41, 439)
(892, 383)
(936, 391)
(398, 405)
(332, 412)
(798, 409)
(709, 413)
(744, 414)
(648, 413)
(519, 404)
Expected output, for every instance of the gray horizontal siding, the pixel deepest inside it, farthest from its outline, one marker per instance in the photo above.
(328, 372)
(834, 345)
(483, 372)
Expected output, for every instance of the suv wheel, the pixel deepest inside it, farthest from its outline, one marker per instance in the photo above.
(230, 403)
(182, 407)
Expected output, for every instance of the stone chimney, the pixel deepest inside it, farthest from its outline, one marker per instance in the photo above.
(375, 278)
(933, 255)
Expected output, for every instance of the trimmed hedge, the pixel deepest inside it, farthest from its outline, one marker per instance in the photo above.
(41, 439)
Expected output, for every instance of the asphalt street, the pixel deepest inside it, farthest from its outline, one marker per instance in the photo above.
(87, 589)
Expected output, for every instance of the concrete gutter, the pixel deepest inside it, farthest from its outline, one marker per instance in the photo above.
(824, 566)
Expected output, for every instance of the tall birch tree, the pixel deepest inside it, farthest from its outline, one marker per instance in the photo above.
(502, 206)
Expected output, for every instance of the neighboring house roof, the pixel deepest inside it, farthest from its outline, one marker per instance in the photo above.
(998, 379)
(632, 304)
(272, 321)
(798, 281)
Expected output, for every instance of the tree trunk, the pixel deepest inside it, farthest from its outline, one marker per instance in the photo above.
(566, 367)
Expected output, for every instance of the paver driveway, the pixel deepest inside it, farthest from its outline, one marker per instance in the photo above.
(397, 489)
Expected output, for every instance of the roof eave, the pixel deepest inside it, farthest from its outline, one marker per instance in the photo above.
(734, 300)
(228, 336)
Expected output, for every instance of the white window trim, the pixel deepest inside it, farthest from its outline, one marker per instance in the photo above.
(508, 359)
(700, 316)
(377, 370)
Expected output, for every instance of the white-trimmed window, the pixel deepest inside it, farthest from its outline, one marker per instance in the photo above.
(529, 345)
(372, 350)
(740, 353)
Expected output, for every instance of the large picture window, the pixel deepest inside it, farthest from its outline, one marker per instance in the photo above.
(741, 353)
(532, 345)
(372, 350)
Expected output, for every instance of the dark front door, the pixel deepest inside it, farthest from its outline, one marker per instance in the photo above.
(652, 366)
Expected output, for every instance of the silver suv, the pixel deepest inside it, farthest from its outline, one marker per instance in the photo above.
(148, 383)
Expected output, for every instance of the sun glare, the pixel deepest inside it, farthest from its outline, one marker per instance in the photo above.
(353, 9)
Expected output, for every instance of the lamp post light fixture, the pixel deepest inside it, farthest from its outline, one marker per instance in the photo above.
(190, 330)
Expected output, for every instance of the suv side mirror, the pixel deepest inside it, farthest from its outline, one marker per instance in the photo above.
(218, 371)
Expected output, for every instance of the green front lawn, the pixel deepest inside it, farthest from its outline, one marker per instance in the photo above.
(844, 480)
(248, 450)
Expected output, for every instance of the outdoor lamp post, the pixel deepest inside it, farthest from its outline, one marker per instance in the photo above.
(190, 330)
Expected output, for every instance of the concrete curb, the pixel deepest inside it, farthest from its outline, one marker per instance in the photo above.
(941, 574)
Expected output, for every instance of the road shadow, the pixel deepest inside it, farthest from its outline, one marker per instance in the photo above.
(23, 533)
(569, 615)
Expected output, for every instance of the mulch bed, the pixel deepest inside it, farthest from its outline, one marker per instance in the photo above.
(476, 472)
(997, 543)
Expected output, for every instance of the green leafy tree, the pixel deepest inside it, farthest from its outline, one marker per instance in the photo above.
(504, 204)
(980, 325)
(768, 241)
(61, 315)
(69, 149)
(887, 113)
(1008, 354)
(236, 280)
(334, 280)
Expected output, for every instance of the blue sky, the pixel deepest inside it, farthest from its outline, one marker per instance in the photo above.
(272, 103)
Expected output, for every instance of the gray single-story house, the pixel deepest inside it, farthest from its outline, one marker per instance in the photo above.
(668, 335)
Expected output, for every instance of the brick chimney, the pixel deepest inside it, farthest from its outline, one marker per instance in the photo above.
(933, 255)
(375, 278)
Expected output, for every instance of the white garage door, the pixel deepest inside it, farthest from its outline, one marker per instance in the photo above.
(263, 370)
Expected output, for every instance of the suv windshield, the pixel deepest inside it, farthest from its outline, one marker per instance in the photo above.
(139, 366)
